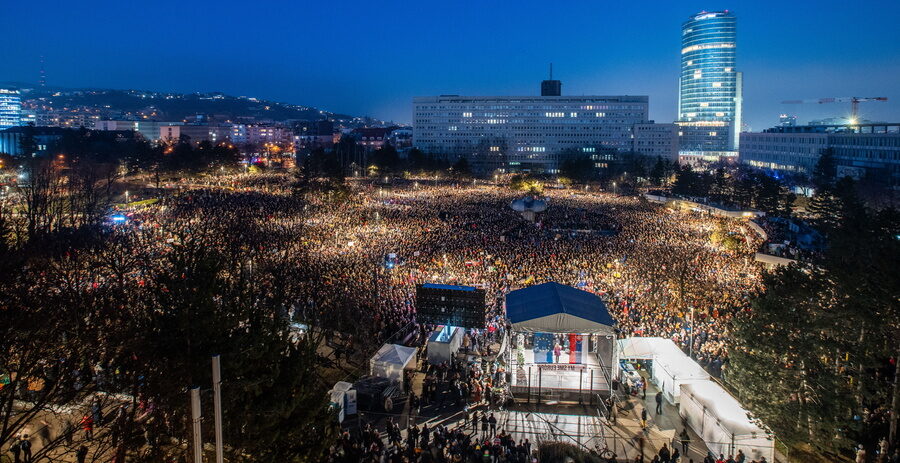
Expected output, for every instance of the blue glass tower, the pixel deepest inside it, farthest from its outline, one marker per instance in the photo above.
(10, 108)
(709, 97)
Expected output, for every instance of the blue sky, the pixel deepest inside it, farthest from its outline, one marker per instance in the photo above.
(372, 57)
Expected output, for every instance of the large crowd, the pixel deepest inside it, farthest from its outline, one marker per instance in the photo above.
(656, 269)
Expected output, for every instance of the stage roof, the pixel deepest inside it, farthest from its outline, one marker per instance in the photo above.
(555, 308)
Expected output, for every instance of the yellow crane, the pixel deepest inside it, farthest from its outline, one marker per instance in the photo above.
(853, 100)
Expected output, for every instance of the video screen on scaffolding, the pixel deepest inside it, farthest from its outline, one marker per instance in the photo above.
(452, 305)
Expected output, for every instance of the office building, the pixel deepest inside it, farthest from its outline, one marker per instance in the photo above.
(44, 139)
(710, 87)
(656, 140)
(861, 151)
(786, 120)
(524, 133)
(10, 108)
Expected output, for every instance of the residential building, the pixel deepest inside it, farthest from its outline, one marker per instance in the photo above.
(67, 120)
(656, 140)
(310, 135)
(195, 133)
(371, 138)
(400, 137)
(10, 108)
(150, 130)
(710, 87)
(524, 133)
(864, 150)
(255, 134)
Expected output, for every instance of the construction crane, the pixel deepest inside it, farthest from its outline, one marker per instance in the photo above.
(853, 100)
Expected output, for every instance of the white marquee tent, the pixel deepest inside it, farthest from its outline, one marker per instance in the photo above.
(390, 361)
(722, 422)
(671, 367)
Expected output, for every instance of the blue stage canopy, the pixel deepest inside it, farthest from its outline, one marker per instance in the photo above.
(555, 308)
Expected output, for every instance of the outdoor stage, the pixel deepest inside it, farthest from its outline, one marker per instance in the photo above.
(588, 377)
(552, 316)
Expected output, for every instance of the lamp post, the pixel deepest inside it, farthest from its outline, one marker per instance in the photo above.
(217, 405)
(126, 197)
(196, 418)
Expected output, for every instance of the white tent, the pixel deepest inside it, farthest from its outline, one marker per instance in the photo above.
(671, 367)
(722, 422)
(390, 361)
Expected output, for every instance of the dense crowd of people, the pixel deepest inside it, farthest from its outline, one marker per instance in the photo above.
(656, 269)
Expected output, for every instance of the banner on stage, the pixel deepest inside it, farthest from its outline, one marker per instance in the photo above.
(560, 366)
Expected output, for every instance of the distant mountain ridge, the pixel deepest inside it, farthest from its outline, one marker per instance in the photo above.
(170, 106)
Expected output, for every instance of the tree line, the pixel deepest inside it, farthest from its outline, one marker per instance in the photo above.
(815, 357)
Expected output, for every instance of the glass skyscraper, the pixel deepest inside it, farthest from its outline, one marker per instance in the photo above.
(709, 97)
(10, 108)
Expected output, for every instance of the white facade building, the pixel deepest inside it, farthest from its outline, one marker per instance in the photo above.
(656, 140)
(524, 133)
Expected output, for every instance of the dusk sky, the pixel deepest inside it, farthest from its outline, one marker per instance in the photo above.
(372, 57)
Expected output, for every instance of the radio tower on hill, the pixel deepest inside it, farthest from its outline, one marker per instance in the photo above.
(43, 77)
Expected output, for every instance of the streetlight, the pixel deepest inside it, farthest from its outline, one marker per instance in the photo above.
(614, 187)
(126, 197)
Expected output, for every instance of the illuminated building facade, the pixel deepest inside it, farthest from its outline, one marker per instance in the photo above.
(710, 95)
(860, 151)
(10, 108)
(525, 133)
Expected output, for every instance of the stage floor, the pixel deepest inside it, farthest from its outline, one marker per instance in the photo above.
(585, 376)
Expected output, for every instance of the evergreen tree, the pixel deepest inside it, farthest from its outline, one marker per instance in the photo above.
(577, 168)
(658, 172)
(783, 360)
(825, 171)
(812, 355)
(461, 168)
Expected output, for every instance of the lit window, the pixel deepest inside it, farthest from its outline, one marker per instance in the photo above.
(698, 74)
(704, 105)
(601, 114)
(712, 134)
(720, 114)
(467, 114)
(573, 114)
(728, 69)
(717, 84)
